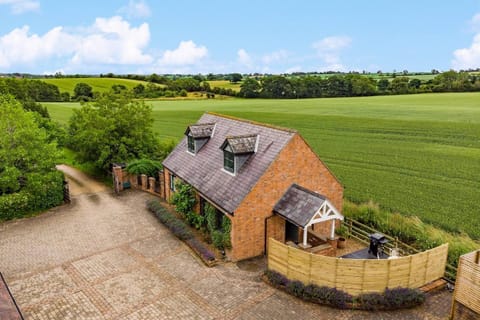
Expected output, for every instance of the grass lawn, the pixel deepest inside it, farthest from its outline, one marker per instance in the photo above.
(98, 84)
(416, 154)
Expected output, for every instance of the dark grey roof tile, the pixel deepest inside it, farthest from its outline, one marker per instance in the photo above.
(204, 170)
(298, 205)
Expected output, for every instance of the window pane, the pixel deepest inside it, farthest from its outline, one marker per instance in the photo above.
(228, 161)
(191, 144)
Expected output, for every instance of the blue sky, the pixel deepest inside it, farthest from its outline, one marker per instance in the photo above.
(186, 36)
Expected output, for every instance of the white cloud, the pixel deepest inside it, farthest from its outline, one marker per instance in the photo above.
(329, 49)
(187, 53)
(21, 6)
(244, 58)
(275, 57)
(466, 58)
(475, 22)
(110, 41)
(19, 46)
(113, 41)
(136, 9)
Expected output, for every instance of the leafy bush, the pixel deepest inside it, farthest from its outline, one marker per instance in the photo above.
(177, 226)
(295, 288)
(183, 198)
(195, 220)
(339, 299)
(201, 249)
(276, 279)
(403, 298)
(390, 299)
(217, 239)
(144, 166)
(43, 191)
(179, 229)
(370, 301)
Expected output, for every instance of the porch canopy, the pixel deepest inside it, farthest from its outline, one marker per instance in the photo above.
(303, 208)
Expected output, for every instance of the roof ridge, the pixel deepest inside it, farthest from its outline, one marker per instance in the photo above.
(294, 185)
(202, 124)
(266, 125)
(243, 136)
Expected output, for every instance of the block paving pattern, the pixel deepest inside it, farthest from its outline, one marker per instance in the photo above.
(142, 272)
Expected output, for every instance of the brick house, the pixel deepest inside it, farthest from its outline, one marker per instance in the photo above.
(265, 179)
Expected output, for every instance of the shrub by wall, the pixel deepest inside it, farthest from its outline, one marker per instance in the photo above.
(43, 191)
(390, 299)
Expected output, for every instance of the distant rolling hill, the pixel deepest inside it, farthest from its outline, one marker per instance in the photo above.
(98, 84)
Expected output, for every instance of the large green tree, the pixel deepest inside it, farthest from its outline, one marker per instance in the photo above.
(82, 92)
(29, 181)
(24, 147)
(250, 88)
(114, 128)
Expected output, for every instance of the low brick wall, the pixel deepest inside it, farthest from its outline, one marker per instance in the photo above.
(139, 182)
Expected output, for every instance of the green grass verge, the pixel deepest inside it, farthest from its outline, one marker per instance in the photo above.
(414, 154)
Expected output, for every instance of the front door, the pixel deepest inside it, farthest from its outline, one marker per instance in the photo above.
(291, 232)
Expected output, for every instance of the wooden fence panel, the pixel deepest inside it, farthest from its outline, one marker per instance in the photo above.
(418, 270)
(349, 275)
(278, 257)
(356, 276)
(399, 272)
(324, 271)
(376, 275)
(467, 286)
(298, 265)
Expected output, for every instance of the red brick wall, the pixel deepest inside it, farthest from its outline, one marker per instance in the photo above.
(296, 163)
(276, 228)
(168, 192)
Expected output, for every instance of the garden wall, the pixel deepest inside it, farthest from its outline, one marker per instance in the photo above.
(357, 276)
(140, 182)
(466, 298)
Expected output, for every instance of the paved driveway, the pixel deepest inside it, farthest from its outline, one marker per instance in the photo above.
(106, 257)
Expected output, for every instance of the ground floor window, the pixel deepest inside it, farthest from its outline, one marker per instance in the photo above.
(172, 181)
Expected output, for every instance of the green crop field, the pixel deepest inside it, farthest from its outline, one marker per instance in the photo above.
(225, 84)
(416, 154)
(98, 84)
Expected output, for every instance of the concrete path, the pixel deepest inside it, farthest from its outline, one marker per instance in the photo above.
(106, 257)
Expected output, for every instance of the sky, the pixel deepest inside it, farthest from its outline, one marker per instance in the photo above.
(248, 36)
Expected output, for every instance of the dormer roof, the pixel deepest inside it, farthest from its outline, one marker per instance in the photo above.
(200, 130)
(241, 144)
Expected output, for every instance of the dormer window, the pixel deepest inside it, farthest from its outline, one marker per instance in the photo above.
(198, 135)
(237, 150)
(228, 161)
(191, 143)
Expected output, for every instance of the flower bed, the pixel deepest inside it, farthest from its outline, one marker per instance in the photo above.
(181, 231)
(390, 299)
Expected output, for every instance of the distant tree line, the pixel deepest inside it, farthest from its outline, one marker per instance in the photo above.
(30, 92)
(353, 85)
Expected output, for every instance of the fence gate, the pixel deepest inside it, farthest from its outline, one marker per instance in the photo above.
(66, 192)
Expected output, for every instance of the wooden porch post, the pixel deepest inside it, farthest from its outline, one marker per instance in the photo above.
(332, 232)
(305, 232)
